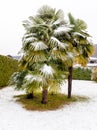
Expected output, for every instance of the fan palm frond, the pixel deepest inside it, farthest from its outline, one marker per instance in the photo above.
(54, 87)
(47, 71)
(17, 79)
(57, 43)
(39, 46)
(46, 11)
(35, 56)
(57, 54)
(81, 59)
(27, 25)
(78, 24)
(36, 20)
(31, 83)
(59, 15)
(62, 29)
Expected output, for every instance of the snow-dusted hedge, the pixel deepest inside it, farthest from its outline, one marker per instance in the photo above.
(94, 74)
(7, 66)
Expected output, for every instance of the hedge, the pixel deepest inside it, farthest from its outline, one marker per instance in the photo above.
(82, 73)
(8, 66)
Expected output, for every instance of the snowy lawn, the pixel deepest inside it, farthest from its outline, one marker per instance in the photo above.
(77, 116)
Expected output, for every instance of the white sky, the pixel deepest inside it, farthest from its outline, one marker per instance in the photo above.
(13, 12)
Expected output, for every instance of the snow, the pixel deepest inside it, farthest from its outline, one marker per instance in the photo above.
(29, 76)
(47, 70)
(39, 46)
(76, 33)
(70, 55)
(55, 40)
(89, 65)
(77, 116)
(93, 58)
(63, 29)
(32, 78)
(59, 44)
(28, 40)
(92, 64)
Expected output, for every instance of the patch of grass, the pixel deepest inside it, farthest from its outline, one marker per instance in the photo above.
(55, 101)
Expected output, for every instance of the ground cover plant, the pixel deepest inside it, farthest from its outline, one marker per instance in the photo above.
(55, 101)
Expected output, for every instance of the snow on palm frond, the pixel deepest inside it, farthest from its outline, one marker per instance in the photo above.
(17, 79)
(62, 29)
(55, 49)
(85, 33)
(79, 34)
(29, 76)
(62, 45)
(57, 22)
(29, 40)
(47, 71)
(29, 35)
(70, 55)
(57, 43)
(27, 24)
(32, 83)
(39, 46)
(54, 41)
(32, 78)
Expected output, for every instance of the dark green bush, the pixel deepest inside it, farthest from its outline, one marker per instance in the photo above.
(7, 67)
(82, 73)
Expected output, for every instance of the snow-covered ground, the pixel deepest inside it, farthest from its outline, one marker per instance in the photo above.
(77, 116)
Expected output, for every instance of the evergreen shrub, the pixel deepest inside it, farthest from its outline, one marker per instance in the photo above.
(82, 73)
(8, 66)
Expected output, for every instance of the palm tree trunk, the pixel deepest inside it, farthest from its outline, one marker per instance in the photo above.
(70, 81)
(44, 96)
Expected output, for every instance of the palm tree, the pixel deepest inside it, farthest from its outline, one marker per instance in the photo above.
(80, 46)
(43, 50)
